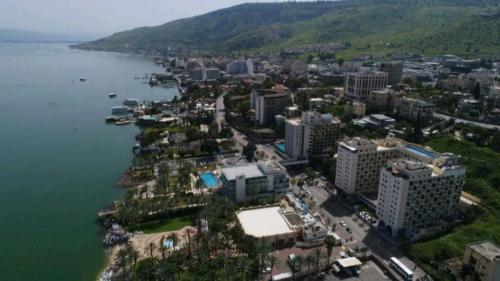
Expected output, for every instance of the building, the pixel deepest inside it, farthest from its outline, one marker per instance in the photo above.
(417, 199)
(415, 109)
(359, 162)
(197, 74)
(383, 98)
(274, 229)
(316, 103)
(394, 71)
(469, 106)
(255, 181)
(483, 259)
(359, 85)
(240, 67)
(355, 108)
(269, 103)
(314, 135)
(212, 74)
(376, 121)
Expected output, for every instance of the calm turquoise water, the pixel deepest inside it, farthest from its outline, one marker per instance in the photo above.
(59, 159)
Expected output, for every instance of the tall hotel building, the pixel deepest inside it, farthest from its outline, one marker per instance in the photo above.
(416, 199)
(359, 85)
(314, 135)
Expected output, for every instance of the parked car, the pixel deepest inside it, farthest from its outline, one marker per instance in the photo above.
(342, 223)
(348, 229)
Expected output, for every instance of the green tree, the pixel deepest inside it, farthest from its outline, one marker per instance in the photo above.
(249, 151)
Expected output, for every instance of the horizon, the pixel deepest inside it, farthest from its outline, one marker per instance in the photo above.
(81, 17)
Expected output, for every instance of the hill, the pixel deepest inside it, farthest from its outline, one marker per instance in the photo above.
(467, 27)
(23, 36)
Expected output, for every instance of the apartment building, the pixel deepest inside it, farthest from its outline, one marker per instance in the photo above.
(484, 259)
(359, 85)
(269, 103)
(359, 162)
(394, 72)
(314, 135)
(417, 199)
(240, 67)
(415, 109)
(254, 181)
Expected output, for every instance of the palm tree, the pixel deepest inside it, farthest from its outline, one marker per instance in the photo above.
(330, 243)
(317, 257)
(162, 247)
(309, 261)
(273, 261)
(151, 247)
(188, 233)
(175, 239)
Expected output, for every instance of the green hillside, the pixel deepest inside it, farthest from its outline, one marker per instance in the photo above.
(468, 27)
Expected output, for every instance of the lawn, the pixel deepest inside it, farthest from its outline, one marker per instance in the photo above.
(482, 181)
(171, 224)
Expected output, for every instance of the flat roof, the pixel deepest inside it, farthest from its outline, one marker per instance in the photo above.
(349, 262)
(263, 222)
(486, 249)
(250, 171)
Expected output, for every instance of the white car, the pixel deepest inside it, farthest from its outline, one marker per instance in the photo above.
(342, 223)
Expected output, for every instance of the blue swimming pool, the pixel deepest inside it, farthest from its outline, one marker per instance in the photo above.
(281, 147)
(421, 152)
(209, 180)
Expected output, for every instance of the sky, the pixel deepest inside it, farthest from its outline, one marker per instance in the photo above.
(100, 17)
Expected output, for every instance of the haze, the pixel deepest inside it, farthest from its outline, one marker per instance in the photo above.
(100, 17)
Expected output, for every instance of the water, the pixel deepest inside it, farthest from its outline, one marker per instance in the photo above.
(209, 180)
(59, 159)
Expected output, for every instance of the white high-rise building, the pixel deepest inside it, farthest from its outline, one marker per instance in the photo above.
(359, 85)
(314, 135)
(240, 67)
(417, 199)
(359, 162)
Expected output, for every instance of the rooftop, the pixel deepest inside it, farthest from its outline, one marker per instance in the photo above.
(250, 171)
(486, 249)
(263, 222)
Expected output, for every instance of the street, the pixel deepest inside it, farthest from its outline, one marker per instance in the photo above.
(362, 235)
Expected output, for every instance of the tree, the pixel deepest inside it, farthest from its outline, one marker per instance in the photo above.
(151, 247)
(249, 151)
(317, 257)
(476, 93)
(330, 243)
(263, 250)
(210, 146)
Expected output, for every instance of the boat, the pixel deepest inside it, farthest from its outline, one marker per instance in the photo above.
(112, 95)
(82, 79)
(110, 119)
(122, 122)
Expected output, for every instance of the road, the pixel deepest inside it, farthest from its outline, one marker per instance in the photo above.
(362, 235)
(240, 138)
(219, 111)
(464, 121)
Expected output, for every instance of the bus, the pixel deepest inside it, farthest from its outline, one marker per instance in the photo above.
(402, 269)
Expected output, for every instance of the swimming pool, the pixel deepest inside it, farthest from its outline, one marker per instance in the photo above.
(209, 180)
(421, 152)
(281, 147)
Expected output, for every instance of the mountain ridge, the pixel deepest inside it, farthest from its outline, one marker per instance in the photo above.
(367, 25)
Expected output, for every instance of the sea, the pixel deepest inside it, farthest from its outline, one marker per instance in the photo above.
(59, 160)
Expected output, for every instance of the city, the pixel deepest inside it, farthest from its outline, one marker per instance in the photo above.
(336, 140)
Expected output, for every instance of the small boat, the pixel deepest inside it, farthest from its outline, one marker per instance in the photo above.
(82, 79)
(110, 119)
(122, 122)
(112, 95)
